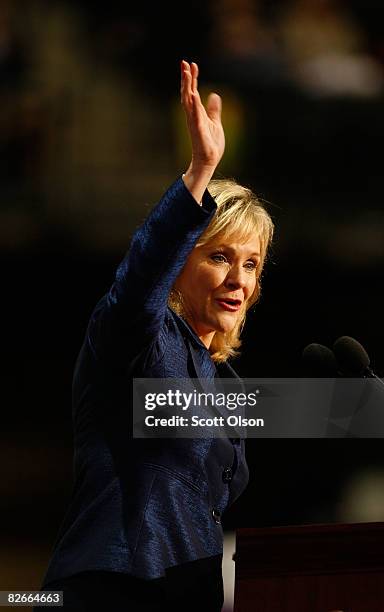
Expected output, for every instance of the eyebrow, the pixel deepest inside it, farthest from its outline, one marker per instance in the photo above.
(232, 250)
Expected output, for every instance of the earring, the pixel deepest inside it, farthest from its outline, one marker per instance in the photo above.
(176, 301)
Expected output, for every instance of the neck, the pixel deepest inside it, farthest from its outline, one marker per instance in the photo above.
(206, 339)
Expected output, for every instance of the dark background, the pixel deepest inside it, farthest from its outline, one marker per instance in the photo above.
(91, 134)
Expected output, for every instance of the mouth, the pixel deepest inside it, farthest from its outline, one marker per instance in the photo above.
(229, 304)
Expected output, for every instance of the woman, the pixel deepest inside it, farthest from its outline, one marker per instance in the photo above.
(143, 530)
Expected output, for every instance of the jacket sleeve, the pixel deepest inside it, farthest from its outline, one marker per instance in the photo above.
(132, 313)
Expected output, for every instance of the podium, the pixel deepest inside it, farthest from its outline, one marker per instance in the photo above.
(310, 568)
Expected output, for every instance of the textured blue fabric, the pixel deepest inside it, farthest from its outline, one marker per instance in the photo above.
(142, 506)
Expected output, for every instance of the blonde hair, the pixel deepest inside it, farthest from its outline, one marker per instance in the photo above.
(241, 213)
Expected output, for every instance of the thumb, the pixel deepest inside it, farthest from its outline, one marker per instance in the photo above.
(214, 107)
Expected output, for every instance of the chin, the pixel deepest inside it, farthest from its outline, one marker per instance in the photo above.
(226, 326)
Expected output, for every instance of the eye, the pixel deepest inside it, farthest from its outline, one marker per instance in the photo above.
(219, 258)
(251, 265)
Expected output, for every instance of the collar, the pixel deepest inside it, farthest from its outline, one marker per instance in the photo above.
(224, 369)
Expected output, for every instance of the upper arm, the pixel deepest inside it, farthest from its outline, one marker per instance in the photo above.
(132, 313)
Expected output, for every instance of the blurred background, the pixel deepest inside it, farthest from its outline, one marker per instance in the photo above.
(92, 133)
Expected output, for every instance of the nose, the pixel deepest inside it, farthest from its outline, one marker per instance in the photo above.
(236, 278)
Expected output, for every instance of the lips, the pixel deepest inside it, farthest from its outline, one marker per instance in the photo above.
(229, 304)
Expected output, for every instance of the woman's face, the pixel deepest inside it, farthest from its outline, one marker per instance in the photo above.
(217, 280)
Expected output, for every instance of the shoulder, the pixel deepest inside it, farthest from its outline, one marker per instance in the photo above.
(169, 345)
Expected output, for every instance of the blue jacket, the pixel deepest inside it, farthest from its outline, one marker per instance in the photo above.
(141, 506)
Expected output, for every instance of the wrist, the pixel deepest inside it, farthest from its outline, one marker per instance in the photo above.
(196, 180)
(197, 173)
(200, 170)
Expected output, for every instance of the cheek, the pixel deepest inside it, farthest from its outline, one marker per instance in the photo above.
(196, 284)
(251, 287)
(199, 282)
(211, 279)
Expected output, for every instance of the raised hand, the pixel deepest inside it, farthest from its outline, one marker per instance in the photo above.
(205, 129)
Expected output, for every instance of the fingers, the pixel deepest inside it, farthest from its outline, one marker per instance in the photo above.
(182, 81)
(190, 97)
(189, 85)
(194, 73)
(214, 107)
(186, 84)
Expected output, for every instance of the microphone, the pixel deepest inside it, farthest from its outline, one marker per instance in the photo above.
(353, 359)
(320, 361)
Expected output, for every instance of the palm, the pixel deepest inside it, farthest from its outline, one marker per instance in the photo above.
(204, 124)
